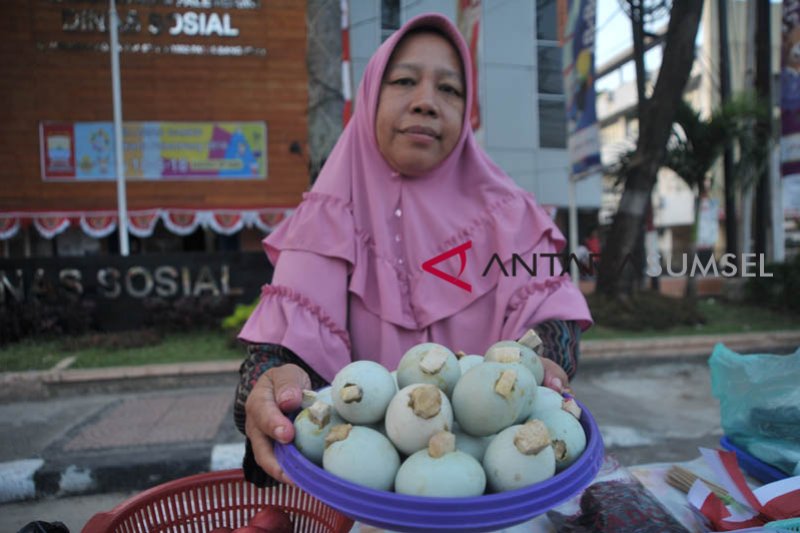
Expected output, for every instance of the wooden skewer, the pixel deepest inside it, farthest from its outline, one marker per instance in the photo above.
(683, 479)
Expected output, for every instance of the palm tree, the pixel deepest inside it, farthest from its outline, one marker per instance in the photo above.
(696, 144)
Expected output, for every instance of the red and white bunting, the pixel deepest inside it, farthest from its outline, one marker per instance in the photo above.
(142, 223)
(181, 222)
(779, 500)
(267, 221)
(98, 226)
(9, 226)
(50, 225)
(225, 223)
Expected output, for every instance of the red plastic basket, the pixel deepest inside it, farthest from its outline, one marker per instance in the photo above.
(198, 504)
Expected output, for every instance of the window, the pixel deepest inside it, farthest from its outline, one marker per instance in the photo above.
(390, 18)
(552, 123)
(551, 80)
(552, 114)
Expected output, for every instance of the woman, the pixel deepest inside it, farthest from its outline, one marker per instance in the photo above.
(405, 183)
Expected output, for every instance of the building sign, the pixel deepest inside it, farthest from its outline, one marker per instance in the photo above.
(84, 151)
(154, 18)
(119, 286)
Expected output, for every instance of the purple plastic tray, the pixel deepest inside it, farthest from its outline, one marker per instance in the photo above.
(490, 512)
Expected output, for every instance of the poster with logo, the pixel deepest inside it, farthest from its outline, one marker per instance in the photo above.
(577, 36)
(84, 151)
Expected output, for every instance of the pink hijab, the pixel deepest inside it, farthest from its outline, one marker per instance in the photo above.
(384, 226)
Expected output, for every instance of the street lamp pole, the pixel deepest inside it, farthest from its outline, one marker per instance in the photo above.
(122, 203)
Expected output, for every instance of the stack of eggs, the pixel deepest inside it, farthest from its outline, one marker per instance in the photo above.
(442, 425)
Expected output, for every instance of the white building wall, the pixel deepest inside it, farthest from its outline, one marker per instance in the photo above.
(507, 86)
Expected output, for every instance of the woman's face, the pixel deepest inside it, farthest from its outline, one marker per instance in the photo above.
(421, 104)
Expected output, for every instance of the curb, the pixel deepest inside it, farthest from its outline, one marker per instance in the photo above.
(687, 346)
(44, 384)
(113, 472)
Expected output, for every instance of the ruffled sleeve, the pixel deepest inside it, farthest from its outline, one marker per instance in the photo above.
(548, 295)
(305, 310)
(322, 224)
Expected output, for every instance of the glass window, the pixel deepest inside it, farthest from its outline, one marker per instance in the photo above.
(390, 18)
(551, 80)
(546, 20)
(552, 114)
(552, 123)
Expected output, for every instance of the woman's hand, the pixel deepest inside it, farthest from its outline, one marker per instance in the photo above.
(554, 376)
(279, 390)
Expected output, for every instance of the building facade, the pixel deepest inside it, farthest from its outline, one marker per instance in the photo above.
(228, 80)
(214, 101)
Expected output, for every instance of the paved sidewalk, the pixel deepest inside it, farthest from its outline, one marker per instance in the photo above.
(69, 432)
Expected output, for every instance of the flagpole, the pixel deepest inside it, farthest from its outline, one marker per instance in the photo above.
(122, 205)
(573, 227)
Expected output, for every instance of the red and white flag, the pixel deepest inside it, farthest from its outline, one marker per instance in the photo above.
(779, 500)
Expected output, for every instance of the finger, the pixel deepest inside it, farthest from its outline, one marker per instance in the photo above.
(288, 382)
(554, 376)
(555, 383)
(264, 453)
(265, 414)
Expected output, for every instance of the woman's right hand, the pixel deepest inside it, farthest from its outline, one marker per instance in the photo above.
(279, 390)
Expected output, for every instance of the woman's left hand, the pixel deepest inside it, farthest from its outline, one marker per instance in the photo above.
(554, 376)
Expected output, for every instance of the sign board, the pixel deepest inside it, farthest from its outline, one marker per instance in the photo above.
(84, 151)
(119, 286)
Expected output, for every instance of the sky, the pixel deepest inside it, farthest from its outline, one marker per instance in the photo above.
(614, 36)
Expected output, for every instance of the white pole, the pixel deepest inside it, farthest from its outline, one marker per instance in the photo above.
(122, 204)
(573, 228)
(778, 237)
(747, 219)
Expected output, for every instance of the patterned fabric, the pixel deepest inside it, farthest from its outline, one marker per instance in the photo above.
(561, 343)
(260, 358)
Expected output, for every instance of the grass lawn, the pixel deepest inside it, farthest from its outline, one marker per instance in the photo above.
(722, 317)
(175, 348)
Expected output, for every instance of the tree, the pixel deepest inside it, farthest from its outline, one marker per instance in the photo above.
(697, 143)
(655, 126)
(325, 96)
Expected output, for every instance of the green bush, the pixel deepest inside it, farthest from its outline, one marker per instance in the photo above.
(780, 292)
(644, 311)
(235, 322)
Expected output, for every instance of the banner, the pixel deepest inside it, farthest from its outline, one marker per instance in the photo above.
(577, 35)
(790, 89)
(790, 107)
(469, 22)
(84, 151)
